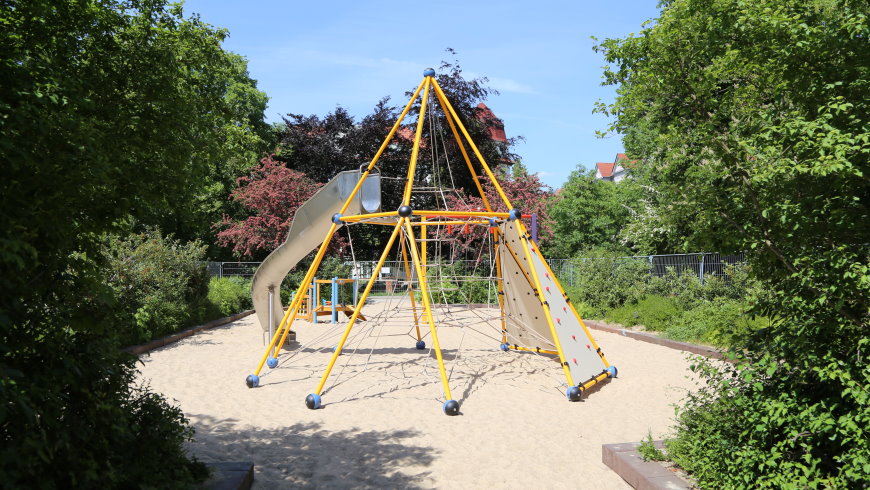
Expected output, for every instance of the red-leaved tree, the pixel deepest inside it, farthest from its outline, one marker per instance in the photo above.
(526, 193)
(273, 193)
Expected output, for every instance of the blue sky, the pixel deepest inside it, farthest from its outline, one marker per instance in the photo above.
(310, 57)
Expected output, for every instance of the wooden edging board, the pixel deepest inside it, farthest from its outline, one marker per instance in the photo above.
(625, 461)
(154, 344)
(654, 339)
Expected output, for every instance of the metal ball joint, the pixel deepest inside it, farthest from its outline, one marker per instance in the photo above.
(505, 347)
(312, 401)
(451, 407)
(252, 381)
(336, 218)
(492, 223)
(421, 345)
(514, 214)
(429, 72)
(405, 211)
(272, 362)
(574, 393)
(611, 371)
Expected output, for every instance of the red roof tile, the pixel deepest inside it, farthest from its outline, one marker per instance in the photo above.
(605, 169)
(496, 130)
(625, 162)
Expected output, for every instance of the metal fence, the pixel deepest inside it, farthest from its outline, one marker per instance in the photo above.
(392, 278)
(233, 269)
(703, 265)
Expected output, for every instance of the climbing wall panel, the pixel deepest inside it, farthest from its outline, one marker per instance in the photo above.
(525, 320)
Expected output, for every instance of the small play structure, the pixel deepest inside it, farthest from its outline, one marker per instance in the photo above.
(315, 305)
(534, 314)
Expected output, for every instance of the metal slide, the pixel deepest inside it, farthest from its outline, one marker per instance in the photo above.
(309, 227)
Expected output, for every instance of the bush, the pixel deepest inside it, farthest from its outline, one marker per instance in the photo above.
(160, 285)
(458, 283)
(228, 296)
(604, 281)
(648, 450)
(653, 312)
(772, 421)
(80, 421)
(717, 322)
(584, 310)
(689, 292)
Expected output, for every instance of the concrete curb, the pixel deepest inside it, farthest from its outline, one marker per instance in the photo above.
(169, 339)
(653, 339)
(625, 461)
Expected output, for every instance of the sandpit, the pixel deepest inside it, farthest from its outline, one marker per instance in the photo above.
(382, 424)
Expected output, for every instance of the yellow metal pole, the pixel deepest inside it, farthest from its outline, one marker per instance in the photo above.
(546, 307)
(415, 151)
(359, 305)
(360, 217)
(423, 237)
(411, 288)
(500, 285)
(483, 163)
(473, 214)
(474, 175)
(592, 382)
(427, 307)
(528, 349)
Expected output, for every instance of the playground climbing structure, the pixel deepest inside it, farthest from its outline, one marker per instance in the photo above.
(536, 315)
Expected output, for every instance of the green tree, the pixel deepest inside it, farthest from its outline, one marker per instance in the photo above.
(752, 122)
(589, 213)
(243, 138)
(108, 111)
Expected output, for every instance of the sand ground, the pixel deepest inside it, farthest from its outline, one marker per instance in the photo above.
(382, 424)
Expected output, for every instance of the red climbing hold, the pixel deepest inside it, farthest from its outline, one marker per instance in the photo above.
(547, 275)
(575, 360)
(565, 309)
(574, 337)
(547, 288)
(588, 347)
(559, 321)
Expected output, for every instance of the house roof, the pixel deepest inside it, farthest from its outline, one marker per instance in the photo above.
(605, 169)
(494, 124)
(623, 160)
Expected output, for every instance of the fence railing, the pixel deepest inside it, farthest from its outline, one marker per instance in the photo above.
(394, 280)
(233, 269)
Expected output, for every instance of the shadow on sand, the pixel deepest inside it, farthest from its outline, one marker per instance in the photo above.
(303, 455)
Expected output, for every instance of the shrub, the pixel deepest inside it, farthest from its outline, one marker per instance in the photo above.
(718, 322)
(82, 422)
(653, 312)
(584, 310)
(228, 296)
(458, 283)
(160, 284)
(605, 281)
(772, 422)
(648, 450)
(689, 292)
